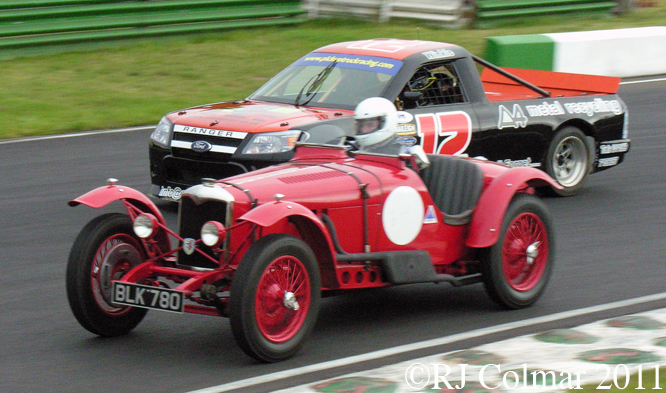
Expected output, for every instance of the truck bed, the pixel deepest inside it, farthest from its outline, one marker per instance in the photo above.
(499, 88)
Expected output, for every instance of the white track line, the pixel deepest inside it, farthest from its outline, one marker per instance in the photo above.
(427, 344)
(74, 135)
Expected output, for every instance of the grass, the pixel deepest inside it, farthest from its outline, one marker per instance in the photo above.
(136, 83)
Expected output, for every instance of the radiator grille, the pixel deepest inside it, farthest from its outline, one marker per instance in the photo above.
(191, 219)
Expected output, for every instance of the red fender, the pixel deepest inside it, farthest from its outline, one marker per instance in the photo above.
(489, 212)
(269, 214)
(102, 196)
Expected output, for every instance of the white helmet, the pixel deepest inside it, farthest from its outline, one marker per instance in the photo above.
(376, 121)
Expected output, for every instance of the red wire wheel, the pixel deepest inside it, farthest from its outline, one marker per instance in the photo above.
(116, 256)
(274, 297)
(525, 251)
(517, 268)
(105, 250)
(283, 299)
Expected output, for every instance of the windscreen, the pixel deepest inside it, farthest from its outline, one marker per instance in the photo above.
(330, 80)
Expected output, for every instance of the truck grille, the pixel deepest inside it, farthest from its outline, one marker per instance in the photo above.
(224, 143)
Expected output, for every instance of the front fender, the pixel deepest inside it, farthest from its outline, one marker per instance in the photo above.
(269, 214)
(489, 212)
(104, 195)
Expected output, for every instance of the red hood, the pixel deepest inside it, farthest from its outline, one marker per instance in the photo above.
(253, 116)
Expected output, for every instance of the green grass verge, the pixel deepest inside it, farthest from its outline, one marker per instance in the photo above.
(136, 83)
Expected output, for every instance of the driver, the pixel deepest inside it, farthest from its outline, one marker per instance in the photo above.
(376, 126)
(436, 86)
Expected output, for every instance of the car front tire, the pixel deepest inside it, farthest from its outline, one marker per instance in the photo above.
(275, 297)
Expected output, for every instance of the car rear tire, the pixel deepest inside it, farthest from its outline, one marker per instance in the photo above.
(275, 297)
(518, 267)
(105, 250)
(568, 160)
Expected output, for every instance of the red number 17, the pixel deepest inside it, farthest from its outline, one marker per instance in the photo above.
(444, 132)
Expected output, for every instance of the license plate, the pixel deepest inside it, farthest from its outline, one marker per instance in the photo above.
(145, 296)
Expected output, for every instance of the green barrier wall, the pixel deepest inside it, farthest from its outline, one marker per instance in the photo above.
(621, 53)
(40, 23)
(533, 51)
(493, 11)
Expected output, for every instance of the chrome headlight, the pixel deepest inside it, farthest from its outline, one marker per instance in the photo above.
(213, 233)
(144, 225)
(162, 134)
(272, 142)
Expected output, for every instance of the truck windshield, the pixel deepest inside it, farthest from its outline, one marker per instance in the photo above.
(329, 81)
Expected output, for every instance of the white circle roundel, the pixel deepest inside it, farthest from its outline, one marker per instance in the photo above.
(402, 215)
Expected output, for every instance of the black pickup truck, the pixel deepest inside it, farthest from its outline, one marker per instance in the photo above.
(567, 125)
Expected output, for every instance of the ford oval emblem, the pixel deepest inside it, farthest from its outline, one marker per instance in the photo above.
(201, 146)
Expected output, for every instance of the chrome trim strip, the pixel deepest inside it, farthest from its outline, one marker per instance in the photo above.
(215, 148)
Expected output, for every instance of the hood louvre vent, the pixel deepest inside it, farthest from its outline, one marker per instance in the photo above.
(311, 177)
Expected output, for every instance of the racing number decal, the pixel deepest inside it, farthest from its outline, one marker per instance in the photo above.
(444, 132)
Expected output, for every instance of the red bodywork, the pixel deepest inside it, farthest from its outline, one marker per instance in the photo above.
(254, 116)
(295, 197)
(499, 88)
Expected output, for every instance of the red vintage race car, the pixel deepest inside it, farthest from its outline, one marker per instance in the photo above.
(262, 248)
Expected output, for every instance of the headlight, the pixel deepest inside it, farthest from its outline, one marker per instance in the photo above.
(272, 142)
(213, 233)
(144, 225)
(162, 134)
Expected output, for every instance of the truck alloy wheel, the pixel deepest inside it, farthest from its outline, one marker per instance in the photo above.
(567, 160)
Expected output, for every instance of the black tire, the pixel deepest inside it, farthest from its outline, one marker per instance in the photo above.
(264, 326)
(518, 267)
(568, 160)
(105, 249)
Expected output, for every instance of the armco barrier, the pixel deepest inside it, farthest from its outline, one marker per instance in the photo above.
(621, 52)
(34, 23)
(503, 10)
(445, 13)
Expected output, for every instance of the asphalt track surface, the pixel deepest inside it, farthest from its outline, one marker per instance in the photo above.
(610, 247)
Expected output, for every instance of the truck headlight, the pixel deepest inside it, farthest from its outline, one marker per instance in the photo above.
(162, 134)
(272, 142)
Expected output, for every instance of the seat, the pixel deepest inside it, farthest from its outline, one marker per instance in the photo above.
(455, 186)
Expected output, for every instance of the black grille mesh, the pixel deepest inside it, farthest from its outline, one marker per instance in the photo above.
(191, 219)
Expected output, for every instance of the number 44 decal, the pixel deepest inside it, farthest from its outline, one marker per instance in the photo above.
(444, 132)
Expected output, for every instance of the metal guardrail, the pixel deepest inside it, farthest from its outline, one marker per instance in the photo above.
(505, 9)
(451, 13)
(37, 23)
(49, 23)
(446, 13)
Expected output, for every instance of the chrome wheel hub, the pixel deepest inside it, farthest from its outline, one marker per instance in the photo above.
(289, 301)
(532, 252)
